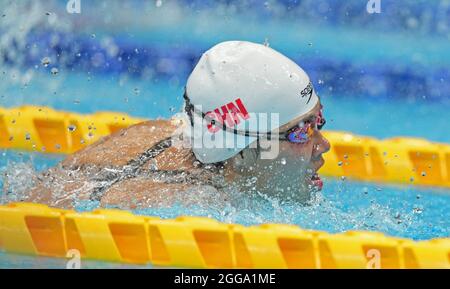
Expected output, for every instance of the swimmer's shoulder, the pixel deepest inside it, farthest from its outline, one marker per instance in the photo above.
(122, 146)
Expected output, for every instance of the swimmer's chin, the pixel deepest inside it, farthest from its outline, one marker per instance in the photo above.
(316, 182)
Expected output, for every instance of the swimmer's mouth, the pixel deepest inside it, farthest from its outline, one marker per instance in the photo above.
(317, 182)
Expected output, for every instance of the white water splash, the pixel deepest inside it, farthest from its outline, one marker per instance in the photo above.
(17, 179)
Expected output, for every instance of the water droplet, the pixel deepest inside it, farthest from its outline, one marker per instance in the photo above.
(48, 13)
(11, 138)
(345, 156)
(93, 35)
(54, 71)
(417, 210)
(76, 101)
(27, 136)
(343, 178)
(365, 190)
(423, 174)
(411, 179)
(266, 42)
(137, 91)
(45, 61)
(172, 109)
(158, 3)
(283, 161)
(321, 81)
(57, 146)
(418, 197)
(340, 163)
(71, 128)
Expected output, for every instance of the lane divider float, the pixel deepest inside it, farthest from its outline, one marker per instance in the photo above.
(197, 242)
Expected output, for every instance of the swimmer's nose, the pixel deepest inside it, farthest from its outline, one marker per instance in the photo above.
(321, 146)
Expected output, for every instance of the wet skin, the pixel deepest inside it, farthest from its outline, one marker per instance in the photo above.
(288, 176)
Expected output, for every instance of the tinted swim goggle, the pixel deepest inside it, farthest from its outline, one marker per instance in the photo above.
(304, 130)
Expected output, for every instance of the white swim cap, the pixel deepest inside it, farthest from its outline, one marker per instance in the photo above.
(241, 80)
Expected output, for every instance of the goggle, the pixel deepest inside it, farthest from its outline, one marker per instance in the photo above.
(304, 131)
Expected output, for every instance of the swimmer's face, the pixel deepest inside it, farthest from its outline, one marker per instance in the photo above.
(294, 171)
(308, 155)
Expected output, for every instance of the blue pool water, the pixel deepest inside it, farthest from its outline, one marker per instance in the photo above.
(381, 75)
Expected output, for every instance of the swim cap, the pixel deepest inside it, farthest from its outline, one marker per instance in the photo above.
(233, 83)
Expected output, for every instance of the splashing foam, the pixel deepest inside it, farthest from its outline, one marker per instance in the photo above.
(17, 179)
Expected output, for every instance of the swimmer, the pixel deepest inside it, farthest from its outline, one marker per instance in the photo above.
(251, 121)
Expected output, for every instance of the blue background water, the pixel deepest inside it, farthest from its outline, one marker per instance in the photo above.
(382, 75)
